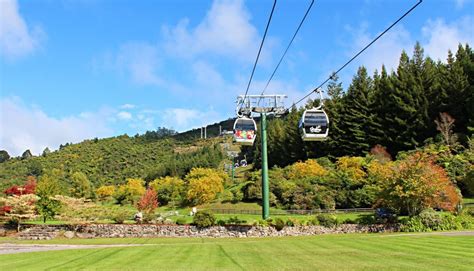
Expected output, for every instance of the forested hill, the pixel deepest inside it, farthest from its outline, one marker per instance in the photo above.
(113, 160)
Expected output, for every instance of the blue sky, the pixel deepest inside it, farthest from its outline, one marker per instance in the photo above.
(77, 69)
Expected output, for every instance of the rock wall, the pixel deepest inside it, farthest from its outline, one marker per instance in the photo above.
(151, 230)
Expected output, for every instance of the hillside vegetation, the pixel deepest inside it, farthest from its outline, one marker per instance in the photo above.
(113, 160)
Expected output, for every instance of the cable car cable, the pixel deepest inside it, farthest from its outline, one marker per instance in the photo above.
(259, 50)
(288, 47)
(360, 52)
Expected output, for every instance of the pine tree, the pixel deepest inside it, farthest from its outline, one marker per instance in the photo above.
(355, 115)
(294, 148)
(385, 107)
(333, 108)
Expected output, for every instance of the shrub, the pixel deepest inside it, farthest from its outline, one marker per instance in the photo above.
(313, 222)
(262, 223)
(120, 217)
(204, 219)
(413, 224)
(220, 222)
(235, 221)
(291, 222)
(148, 217)
(430, 219)
(368, 219)
(327, 220)
(279, 224)
(349, 221)
(181, 221)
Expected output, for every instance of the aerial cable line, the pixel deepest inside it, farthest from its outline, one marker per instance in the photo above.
(288, 47)
(360, 52)
(259, 50)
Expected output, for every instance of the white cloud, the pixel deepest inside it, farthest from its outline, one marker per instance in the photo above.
(206, 74)
(181, 119)
(437, 38)
(124, 115)
(442, 36)
(460, 3)
(28, 127)
(128, 106)
(385, 51)
(16, 38)
(139, 60)
(226, 30)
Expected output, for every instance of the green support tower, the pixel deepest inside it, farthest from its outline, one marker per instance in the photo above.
(265, 186)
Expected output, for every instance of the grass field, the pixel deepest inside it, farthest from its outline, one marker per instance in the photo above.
(330, 252)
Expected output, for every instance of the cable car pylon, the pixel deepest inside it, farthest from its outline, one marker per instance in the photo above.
(245, 130)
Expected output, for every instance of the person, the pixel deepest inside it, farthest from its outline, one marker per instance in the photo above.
(194, 211)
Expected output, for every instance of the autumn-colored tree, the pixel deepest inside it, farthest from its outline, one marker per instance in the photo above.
(148, 202)
(21, 207)
(418, 183)
(379, 172)
(105, 192)
(353, 166)
(28, 188)
(380, 153)
(203, 185)
(131, 191)
(308, 168)
(170, 190)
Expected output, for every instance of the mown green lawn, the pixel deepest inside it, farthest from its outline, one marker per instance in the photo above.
(330, 252)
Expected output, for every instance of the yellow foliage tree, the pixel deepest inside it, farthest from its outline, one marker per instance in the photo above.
(169, 189)
(105, 192)
(378, 172)
(131, 191)
(203, 185)
(309, 168)
(353, 166)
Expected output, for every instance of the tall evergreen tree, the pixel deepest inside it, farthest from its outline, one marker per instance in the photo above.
(355, 115)
(384, 105)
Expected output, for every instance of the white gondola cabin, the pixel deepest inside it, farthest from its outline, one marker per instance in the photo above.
(314, 125)
(245, 131)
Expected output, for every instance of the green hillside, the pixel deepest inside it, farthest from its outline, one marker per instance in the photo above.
(113, 160)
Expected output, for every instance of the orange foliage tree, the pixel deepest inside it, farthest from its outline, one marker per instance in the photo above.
(148, 202)
(418, 183)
